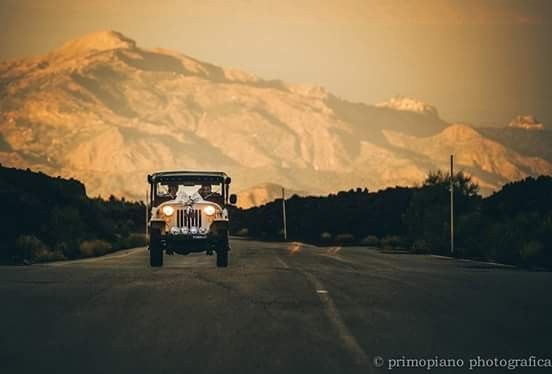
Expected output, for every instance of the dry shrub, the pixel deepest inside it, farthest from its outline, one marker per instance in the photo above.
(344, 238)
(29, 247)
(325, 237)
(243, 232)
(134, 240)
(92, 248)
(370, 241)
(391, 242)
(532, 252)
(420, 246)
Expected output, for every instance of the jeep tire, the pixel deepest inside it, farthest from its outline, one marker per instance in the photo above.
(222, 258)
(222, 252)
(155, 249)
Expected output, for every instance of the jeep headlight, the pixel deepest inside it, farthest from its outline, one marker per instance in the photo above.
(168, 210)
(209, 210)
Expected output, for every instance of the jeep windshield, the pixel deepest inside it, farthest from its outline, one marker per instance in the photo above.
(168, 186)
(213, 192)
(172, 189)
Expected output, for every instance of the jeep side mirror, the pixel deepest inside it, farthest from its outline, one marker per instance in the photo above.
(233, 199)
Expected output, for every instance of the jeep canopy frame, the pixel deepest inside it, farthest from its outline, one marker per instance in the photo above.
(199, 177)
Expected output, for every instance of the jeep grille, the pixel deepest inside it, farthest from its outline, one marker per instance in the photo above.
(188, 218)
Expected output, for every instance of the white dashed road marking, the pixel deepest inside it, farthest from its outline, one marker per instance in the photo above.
(282, 262)
(345, 335)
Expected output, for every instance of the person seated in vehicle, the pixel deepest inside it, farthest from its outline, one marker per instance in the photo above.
(171, 189)
(208, 194)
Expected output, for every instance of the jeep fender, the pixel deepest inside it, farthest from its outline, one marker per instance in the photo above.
(157, 224)
(219, 227)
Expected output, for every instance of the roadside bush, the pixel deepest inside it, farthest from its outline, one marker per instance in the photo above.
(69, 249)
(532, 253)
(325, 237)
(279, 235)
(469, 241)
(370, 241)
(133, 240)
(30, 248)
(243, 232)
(91, 248)
(392, 242)
(49, 256)
(420, 246)
(344, 239)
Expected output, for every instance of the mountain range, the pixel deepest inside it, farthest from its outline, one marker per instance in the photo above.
(107, 112)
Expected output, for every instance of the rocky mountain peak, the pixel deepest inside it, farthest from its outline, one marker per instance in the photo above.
(97, 41)
(314, 91)
(409, 104)
(460, 132)
(104, 111)
(527, 122)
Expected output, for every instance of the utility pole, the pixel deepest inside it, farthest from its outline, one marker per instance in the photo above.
(451, 204)
(284, 212)
(146, 203)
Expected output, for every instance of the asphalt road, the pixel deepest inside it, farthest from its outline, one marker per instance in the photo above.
(278, 308)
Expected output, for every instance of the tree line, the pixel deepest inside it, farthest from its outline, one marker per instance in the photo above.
(45, 218)
(513, 225)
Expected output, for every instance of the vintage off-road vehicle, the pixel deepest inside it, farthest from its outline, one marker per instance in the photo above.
(187, 212)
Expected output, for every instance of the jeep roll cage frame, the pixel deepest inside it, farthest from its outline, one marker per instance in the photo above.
(198, 177)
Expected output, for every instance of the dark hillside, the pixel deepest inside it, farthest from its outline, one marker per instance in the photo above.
(527, 142)
(50, 218)
(514, 225)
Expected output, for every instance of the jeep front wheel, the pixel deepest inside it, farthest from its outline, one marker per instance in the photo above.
(222, 258)
(155, 249)
(222, 251)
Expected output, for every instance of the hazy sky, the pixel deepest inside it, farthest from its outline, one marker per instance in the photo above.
(478, 61)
